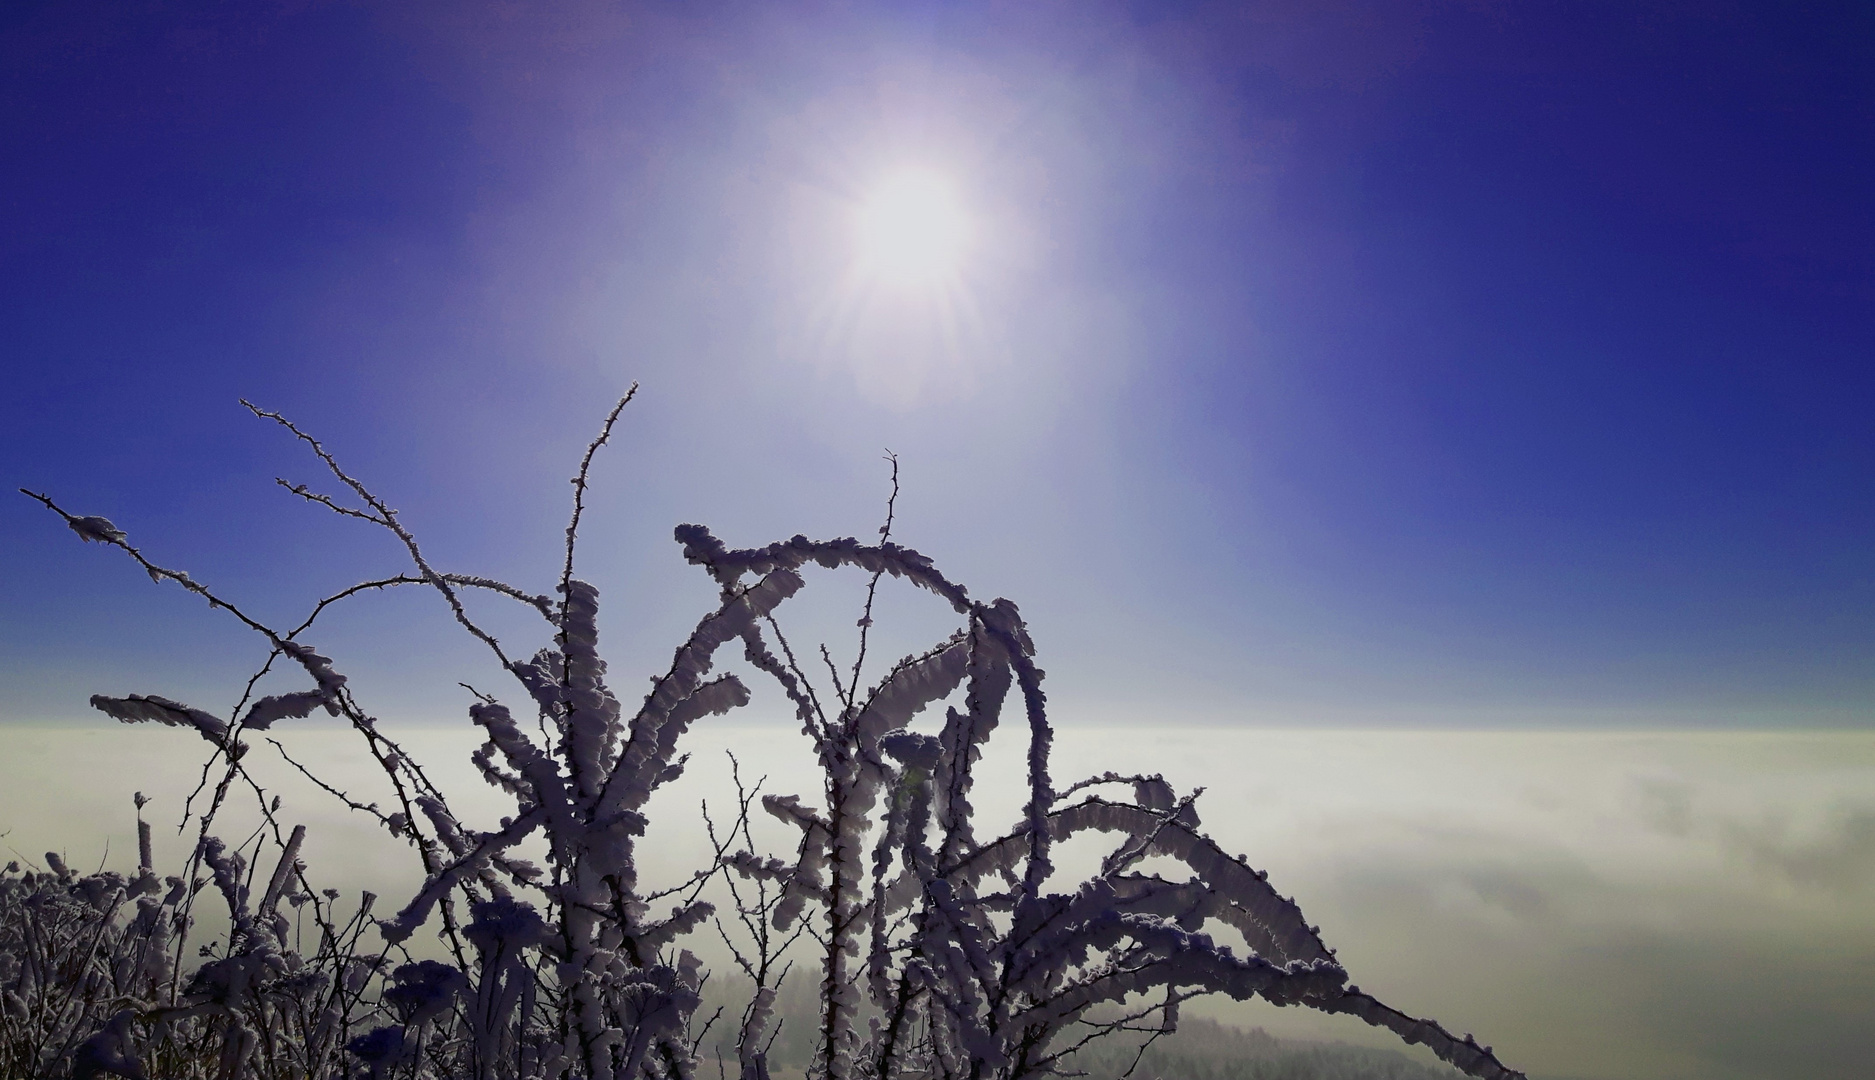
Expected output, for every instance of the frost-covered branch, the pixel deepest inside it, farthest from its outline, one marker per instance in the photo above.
(940, 955)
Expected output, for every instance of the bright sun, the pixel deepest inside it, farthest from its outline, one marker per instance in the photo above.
(912, 230)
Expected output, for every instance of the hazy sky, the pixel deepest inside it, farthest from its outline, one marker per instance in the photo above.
(1474, 361)
(1312, 364)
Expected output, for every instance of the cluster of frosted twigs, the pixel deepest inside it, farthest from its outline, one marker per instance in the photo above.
(940, 952)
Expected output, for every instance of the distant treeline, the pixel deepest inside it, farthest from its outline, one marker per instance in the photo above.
(1201, 1048)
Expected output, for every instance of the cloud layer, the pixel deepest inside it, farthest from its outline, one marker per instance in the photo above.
(1618, 906)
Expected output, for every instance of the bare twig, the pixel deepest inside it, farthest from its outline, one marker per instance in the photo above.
(872, 586)
(579, 493)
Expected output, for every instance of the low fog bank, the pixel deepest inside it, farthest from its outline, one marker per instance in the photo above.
(1622, 906)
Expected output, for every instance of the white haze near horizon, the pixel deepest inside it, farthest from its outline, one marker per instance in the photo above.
(1605, 904)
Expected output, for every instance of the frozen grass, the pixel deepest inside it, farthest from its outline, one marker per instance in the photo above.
(936, 949)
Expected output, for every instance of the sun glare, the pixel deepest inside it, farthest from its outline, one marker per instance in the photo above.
(912, 230)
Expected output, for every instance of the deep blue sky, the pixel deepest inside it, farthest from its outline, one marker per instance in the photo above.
(1324, 361)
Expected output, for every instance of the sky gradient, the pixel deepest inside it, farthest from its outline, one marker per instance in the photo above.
(1328, 360)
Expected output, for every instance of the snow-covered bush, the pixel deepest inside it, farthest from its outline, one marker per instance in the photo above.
(93, 979)
(944, 948)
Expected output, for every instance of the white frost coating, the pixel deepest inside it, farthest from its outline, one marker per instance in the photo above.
(788, 808)
(138, 708)
(963, 738)
(261, 715)
(913, 685)
(925, 970)
(713, 698)
(754, 867)
(463, 869)
(591, 713)
(331, 683)
(1466, 1053)
(804, 881)
(109, 1051)
(96, 529)
(682, 921)
(755, 1022)
(283, 873)
(996, 997)
(632, 782)
(1161, 954)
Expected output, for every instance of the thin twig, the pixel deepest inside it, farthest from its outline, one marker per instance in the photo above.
(872, 587)
(390, 522)
(579, 495)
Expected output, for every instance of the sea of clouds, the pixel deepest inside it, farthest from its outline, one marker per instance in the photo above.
(1596, 904)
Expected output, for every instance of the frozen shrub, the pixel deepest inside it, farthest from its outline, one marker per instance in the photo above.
(94, 982)
(942, 948)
